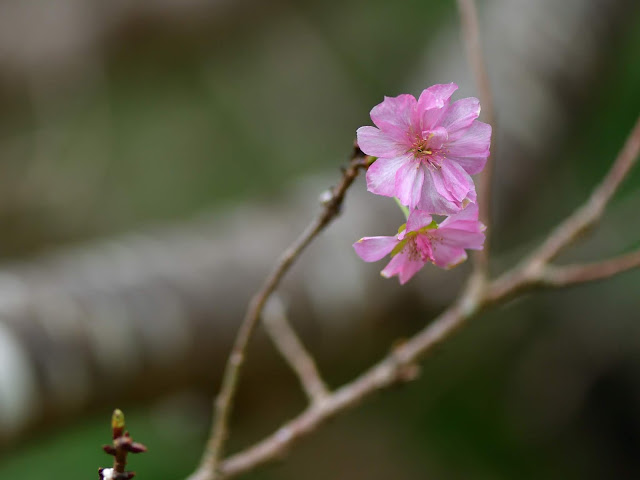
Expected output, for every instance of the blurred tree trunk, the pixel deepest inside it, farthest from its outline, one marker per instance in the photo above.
(156, 310)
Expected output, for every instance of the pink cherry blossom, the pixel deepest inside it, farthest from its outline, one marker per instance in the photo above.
(421, 240)
(427, 149)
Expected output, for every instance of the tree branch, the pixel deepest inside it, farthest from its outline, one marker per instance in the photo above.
(292, 350)
(397, 367)
(564, 276)
(400, 364)
(223, 404)
(469, 20)
(591, 211)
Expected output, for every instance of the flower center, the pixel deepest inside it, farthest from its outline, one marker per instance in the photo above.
(425, 153)
(414, 252)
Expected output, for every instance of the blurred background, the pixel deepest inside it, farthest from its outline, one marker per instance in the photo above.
(156, 157)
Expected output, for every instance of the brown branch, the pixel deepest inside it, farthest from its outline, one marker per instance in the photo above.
(591, 211)
(400, 364)
(564, 276)
(469, 20)
(292, 350)
(223, 404)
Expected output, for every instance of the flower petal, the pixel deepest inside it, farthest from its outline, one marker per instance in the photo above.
(456, 181)
(372, 249)
(460, 115)
(404, 266)
(445, 256)
(463, 229)
(381, 175)
(472, 240)
(470, 213)
(408, 186)
(418, 219)
(437, 138)
(442, 92)
(378, 143)
(471, 149)
(431, 200)
(427, 101)
(394, 114)
(436, 99)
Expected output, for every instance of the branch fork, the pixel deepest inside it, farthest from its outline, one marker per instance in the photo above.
(400, 365)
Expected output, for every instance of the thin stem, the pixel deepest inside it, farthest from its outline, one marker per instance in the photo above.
(400, 364)
(292, 350)
(395, 368)
(224, 402)
(553, 276)
(471, 34)
(591, 211)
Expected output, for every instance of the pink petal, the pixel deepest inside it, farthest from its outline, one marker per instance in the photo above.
(372, 249)
(442, 92)
(475, 140)
(437, 138)
(460, 115)
(463, 238)
(418, 219)
(408, 186)
(381, 175)
(472, 148)
(431, 118)
(431, 111)
(403, 266)
(427, 101)
(470, 213)
(431, 201)
(463, 229)
(445, 256)
(393, 115)
(379, 144)
(456, 181)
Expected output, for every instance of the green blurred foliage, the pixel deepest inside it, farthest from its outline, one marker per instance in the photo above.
(195, 122)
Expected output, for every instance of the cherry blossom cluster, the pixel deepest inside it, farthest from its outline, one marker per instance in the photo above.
(426, 151)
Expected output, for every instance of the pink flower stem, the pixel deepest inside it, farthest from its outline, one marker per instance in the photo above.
(469, 19)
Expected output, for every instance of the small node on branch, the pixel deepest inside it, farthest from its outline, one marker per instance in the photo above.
(404, 372)
(122, 445)
(408, 373)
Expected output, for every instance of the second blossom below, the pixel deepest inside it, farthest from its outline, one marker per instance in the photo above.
(421, 240)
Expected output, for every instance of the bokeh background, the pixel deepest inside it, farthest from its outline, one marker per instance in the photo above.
(155, 158)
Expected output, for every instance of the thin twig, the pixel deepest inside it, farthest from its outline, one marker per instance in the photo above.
(391, 370)
(471, 34)
(400, 364)
(591, 211)
(292, 350)
(208, 469)
(564, 276)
